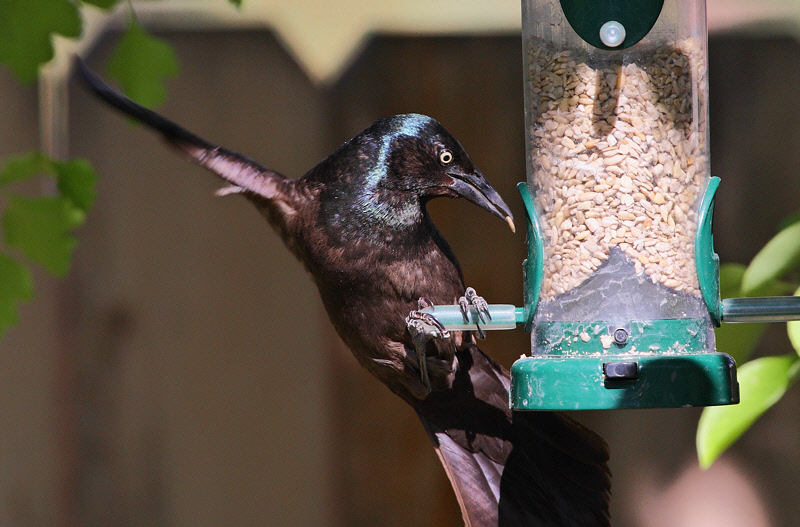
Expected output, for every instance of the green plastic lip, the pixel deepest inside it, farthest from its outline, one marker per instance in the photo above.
(706, 259)
(587, 16)
(533, 266)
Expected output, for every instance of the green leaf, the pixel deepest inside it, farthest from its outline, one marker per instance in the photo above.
(730, 279)
(140, 63)
(779, 255)
(76, 182)
(237, 3)
(762, 382)
(739, 340)
(730, 283)
(26, 27)
(789, 220)
(40, 228)
(102, 4)
(793, 328)
(16, 285)
(25, 166)
(76, 177)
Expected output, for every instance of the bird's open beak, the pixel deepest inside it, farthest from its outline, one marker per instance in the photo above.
(476, 188)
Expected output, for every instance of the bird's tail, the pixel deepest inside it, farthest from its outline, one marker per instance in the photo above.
(474, 476)
(556, 475)
(532, 469)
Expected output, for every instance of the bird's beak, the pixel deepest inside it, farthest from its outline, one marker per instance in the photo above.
(477, 189)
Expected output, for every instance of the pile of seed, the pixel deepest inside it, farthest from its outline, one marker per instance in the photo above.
(619, 158)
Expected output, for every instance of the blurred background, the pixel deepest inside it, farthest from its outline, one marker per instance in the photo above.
(185, 373)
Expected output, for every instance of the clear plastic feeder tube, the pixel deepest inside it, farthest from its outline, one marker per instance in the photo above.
(617, 162)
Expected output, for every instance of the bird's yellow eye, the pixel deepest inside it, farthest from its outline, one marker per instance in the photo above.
(446, 157)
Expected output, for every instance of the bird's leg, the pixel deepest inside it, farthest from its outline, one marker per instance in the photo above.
(471, 298)
(422, 327)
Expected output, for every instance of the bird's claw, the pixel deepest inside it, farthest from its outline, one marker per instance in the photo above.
(426, 325)
(422, 327)
(471, 298)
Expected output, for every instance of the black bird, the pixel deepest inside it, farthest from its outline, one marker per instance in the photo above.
(358, 222)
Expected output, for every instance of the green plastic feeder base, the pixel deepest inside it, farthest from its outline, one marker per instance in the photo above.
(623, 381)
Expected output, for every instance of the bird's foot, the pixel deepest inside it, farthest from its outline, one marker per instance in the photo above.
(472, 299)
(422, 327)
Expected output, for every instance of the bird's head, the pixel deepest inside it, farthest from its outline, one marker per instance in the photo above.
(423, 158)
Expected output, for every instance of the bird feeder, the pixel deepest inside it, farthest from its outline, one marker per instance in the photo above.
(621, 280)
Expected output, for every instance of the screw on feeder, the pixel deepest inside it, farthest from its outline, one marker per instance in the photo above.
(620, 336)
(612, 33)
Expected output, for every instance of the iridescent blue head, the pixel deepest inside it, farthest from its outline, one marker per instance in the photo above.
(402, 162)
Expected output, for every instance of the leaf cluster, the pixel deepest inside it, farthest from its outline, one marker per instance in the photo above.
(39, 229)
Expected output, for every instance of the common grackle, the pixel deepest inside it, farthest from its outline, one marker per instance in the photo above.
(358, 222)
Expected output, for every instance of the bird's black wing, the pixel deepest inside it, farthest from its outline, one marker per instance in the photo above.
(240, 171)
